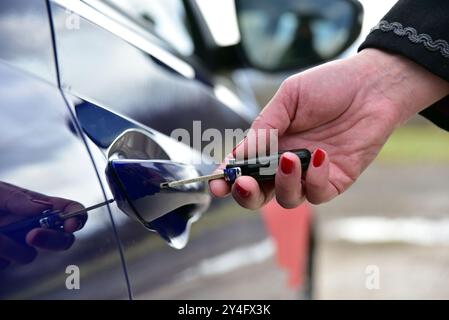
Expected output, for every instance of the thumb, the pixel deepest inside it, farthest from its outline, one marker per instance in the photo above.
(277, 115)
(273, 121)
(282, 108)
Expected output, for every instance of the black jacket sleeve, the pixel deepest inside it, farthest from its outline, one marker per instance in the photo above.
(419, 30)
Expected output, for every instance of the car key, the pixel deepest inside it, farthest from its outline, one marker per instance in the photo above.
(49, 219)
(260, 169)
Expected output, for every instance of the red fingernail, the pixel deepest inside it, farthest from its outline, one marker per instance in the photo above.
(287, 165)
(318, 158)
(241, 191)
(42, 202)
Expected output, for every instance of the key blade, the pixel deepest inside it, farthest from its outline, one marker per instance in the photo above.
(172, 184)
(85, 210)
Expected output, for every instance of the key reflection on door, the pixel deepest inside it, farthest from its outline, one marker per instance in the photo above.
(21, 237)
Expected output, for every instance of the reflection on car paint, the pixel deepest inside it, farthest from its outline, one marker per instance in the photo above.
(21, 232)
(100, 125)
(170, 212)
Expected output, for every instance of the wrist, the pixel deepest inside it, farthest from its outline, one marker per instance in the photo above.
(398, 83)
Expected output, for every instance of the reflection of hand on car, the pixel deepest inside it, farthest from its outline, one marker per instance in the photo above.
(17, 204)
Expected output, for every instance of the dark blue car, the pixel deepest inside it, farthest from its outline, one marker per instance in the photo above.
(90, 93)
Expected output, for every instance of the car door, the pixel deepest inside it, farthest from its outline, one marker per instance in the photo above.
(45, 162)
(110, 70)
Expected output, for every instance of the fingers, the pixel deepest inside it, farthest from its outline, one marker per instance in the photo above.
(258, 140)
(318, 187)
(288, 186)
(17, 204)
(289, 189)
(75, 223)
(220, 188)
(48, 239)
(251, 146)
(11, 251)
(250, 194)
(20, 203)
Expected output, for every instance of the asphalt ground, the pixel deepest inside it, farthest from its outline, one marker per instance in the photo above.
(396, 218)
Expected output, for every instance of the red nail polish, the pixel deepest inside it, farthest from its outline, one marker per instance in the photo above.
(287, 165)
(42, 202)
(241, 191)
(318, 158)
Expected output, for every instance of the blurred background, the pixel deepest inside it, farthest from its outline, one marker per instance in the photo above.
(394, 218)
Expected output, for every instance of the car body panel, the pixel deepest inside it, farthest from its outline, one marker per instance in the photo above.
(109, 85)
(155, 98)
(35, 55)
(98, 65)
(42, 152)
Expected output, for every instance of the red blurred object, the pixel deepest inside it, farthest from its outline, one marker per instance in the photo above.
(290, 231)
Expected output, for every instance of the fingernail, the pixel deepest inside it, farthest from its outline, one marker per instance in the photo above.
(287, 165)
(42, 202)
(241, 191)
(318, 158)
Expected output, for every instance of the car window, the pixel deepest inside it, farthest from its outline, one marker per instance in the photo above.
(164, 18)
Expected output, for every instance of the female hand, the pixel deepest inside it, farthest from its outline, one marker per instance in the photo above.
(344, 111)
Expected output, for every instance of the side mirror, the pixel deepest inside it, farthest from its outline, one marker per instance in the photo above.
(137, 166)
(289, 34)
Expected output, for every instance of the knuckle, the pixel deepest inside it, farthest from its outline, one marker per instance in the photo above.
(290, 84)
